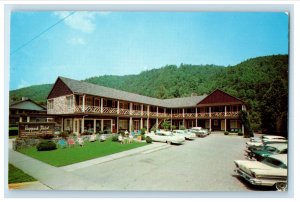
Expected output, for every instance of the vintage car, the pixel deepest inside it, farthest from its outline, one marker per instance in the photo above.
(199, 131)
(271, 171)
(187, 135)
(165, 136)
(259, 153)
(264, 139)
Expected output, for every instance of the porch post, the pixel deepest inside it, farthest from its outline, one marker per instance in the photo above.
(83, 103)
(118, 107)
(101, 107)
(196, 117)
(164, 111)
(171, 118)
(183, 112)
(148, 110)
(156, 123)
(130, 124)
(210, 118)
(82, 125)
(111, 126)
(20, 119)
(156, 111)
(102, 125)
(117, 124)
(148, 124)
(225, 118)
(130, 108)
(94, 125)
(141, 123)
(28, 118)
(142, 109)
(62, 124)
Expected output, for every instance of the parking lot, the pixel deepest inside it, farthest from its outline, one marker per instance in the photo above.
(204, 164)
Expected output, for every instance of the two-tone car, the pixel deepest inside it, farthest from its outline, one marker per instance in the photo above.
(199, 131)
(271, 171)
(258, 153)
(165, 136)
(184, 133)
(264, 139)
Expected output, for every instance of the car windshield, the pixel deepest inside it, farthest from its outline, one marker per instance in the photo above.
(270, 149)
(274, 163)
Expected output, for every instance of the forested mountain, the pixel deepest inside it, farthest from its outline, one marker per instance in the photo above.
(262, 82)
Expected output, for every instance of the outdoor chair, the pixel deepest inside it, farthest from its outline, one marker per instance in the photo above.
(130, 139)
(80, 141)
(62, 143)
(102, 138)
(121, 139)
(93, 138)
(71, 142)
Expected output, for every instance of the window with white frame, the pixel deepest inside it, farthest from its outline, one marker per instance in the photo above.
(50, 104)
(69, 101)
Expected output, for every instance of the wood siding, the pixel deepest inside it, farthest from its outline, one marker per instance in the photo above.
(59, 89)
(219, 98)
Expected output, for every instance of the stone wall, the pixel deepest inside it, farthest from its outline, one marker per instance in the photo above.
(60, 106)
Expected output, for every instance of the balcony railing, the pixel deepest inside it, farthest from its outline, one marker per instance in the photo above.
(110, 110)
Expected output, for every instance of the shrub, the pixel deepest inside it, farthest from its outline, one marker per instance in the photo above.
(148, 139)
(143, 131)
(143, 137)
(64, 134)
(181, 127)
(226, 133)
(46, 136)
(46, 146)
(153, 129)
(240, 134)
(115, 138)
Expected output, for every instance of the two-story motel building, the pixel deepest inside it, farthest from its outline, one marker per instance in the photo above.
(80, 106)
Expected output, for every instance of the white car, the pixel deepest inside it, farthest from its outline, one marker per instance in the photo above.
(187, 135)
(199, 131)
(265, 139)
(271, 171)
(166, 136)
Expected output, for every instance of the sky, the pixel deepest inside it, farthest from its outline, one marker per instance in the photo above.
(45, 45)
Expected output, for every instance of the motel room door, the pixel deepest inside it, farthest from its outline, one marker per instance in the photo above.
(223, 125)
(77, 126)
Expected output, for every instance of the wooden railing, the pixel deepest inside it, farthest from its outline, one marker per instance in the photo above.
(110, 110)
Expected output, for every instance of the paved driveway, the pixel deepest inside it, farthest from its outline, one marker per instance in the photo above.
(205, 164)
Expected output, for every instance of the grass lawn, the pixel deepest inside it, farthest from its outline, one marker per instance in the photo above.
(91, 150)
(16, 175)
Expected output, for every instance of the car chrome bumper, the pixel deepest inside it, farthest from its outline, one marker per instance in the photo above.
(255, 181)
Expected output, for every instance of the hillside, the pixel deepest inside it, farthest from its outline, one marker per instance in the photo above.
(262, 82)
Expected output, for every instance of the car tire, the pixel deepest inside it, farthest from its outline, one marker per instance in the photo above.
(281, 186)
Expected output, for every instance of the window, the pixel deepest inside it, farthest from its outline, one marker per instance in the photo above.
(233, 123)
(69, 101)
(113, 103)
(104, 103)
(50, 104)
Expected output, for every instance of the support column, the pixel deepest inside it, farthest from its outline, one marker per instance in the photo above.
(183, 112)
(225, 114)
(94, 125)
(209, 118)
(156, 123)
(62, 124)
(148, 110)
(148, 125)
(141, 123)
(171, 118)
(164, 111)
(28, 118)
(101, 107)
(156, 111)
(130, 124)
(83, 103)
(196, 117)
(111, 125)
(20, 119)
(118, 107)
(142, 109)
(117, 124)
(130, 108)
(102, 122)
(82, 125)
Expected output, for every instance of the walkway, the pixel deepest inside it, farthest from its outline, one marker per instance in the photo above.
(60, 178)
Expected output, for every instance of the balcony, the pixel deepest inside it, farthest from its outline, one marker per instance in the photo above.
(64, 109)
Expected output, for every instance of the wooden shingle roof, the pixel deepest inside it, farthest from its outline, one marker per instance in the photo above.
(81, 87)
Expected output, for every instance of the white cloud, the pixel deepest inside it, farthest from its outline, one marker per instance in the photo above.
(76, 41)
(81, 20)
